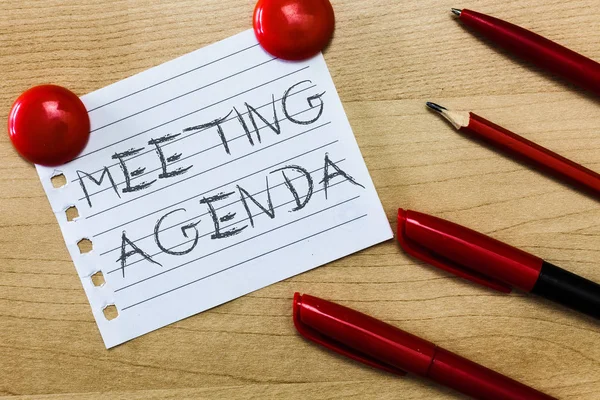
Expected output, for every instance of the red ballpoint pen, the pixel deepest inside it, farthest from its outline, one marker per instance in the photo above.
(482, 259)
(532, 47)
(380, 345)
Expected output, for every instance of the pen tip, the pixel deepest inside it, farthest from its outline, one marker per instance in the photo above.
(456, 11)
(435, 107)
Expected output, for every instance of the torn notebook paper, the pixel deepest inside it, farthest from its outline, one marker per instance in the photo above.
(209, 177)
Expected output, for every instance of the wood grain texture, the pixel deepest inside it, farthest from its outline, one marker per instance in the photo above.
(387, 58)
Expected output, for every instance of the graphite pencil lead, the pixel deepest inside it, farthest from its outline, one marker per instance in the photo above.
(458, 119)
(456, 11)
(436, 107)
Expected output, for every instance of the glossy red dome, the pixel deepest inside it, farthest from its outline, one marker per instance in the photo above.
(48, 125)
(293, 29)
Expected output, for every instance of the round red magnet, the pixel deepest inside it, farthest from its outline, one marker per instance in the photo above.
(293, 29)
(48, 125)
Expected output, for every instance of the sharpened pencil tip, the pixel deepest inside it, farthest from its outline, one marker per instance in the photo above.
(435, 107)
(456, 11)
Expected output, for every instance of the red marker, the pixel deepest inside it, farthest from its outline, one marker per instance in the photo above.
(536, 49)
(487, 261)
(380, 345)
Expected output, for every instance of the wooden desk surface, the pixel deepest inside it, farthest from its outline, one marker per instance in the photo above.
(387, 58)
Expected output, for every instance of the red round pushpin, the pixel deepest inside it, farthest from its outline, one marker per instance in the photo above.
(293, 29)
(48, 125)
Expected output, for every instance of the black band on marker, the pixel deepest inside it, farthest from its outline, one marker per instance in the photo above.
(564, 287)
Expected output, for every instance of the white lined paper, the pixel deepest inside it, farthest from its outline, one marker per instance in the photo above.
(166, 188)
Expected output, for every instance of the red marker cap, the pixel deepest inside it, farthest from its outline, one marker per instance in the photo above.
(48, 125)
(466, 253)
(293, 29)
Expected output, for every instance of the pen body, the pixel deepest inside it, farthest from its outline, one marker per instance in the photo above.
(532, 47)
(474, 380)
(384, 346)
(532, 153)
(568, 289)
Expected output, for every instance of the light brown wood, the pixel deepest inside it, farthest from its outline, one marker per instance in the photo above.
(387, 58)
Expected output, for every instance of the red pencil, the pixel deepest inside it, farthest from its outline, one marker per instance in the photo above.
(536, 49)
(524, 149)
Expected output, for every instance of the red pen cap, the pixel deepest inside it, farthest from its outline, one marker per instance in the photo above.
(360, 337)
(467, 253)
